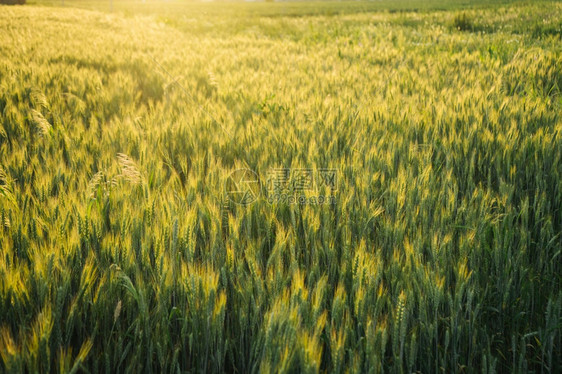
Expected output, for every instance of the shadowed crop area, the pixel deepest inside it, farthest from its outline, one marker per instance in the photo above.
(360, 187)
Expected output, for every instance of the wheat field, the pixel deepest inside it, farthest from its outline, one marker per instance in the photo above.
(124, 247)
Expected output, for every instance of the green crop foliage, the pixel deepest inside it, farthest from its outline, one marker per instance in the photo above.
(439, 251)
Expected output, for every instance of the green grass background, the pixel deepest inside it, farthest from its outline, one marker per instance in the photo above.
(119, 249)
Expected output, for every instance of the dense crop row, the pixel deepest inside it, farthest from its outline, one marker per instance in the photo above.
(121, 252)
